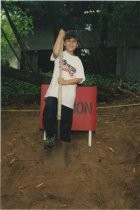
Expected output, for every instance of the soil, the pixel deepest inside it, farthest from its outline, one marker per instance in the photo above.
(103, 176)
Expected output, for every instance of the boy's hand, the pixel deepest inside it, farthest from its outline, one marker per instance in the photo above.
(62, 81)
(62, 34)
(74, 81)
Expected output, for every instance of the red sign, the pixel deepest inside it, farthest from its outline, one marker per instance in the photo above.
(84, 117)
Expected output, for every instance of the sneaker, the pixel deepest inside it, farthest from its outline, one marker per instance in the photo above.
(50, 142)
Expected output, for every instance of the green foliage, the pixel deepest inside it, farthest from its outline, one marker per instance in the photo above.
(13, 91)
(131, 85)
(12, 88)
(124, 15)
(48, 74)
(104, 17)
(23, 24)
(111, 82)
(101, 81)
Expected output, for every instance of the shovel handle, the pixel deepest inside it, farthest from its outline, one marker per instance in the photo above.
(60, 91)
(60, 86)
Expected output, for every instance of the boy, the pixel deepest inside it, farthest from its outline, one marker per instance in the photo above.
(72, 74)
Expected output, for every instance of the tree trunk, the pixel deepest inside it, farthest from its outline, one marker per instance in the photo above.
(25, 76)
(124, 58)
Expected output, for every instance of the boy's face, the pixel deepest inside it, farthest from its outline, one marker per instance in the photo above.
(71, 45)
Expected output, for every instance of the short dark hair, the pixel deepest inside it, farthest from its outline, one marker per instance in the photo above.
(71, 34)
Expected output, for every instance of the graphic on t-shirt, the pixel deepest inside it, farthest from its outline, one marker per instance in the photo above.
(68, 68)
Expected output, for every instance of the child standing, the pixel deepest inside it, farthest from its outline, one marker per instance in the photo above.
(72, 74)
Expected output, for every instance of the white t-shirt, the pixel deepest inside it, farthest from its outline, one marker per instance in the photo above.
(72, 68)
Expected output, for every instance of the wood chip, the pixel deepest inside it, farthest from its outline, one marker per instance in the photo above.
(10, 154)
(64, 205)
(12, 160)
(134, 170)
(111, 149)
(39, 185)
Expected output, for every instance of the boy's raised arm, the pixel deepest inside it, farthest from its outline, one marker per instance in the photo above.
(57, 45)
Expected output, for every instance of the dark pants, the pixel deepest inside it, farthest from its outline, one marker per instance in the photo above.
(50, 119)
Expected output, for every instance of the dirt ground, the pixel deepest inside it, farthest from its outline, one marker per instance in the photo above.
(103, 176)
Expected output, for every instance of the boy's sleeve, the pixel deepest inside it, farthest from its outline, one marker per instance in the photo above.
(80, 71)
(52, 58)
